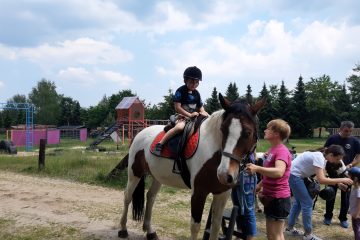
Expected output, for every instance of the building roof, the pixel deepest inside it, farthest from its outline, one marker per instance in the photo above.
(126, 102)
(71, 127)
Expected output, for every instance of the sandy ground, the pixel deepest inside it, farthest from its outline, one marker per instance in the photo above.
(94, 210)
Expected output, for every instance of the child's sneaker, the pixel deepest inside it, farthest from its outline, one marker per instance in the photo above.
(158, 149)
(293, 232)
(311, 237)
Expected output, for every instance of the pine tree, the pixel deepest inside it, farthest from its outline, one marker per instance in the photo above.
(342, 102)
(299, 117)
(266, 114)
(248, 96)
(212, 104)
(283, 108)
(232, 92)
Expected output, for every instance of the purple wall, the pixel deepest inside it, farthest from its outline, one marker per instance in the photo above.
(19, 136)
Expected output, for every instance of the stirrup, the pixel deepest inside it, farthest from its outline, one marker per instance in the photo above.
(174, 170)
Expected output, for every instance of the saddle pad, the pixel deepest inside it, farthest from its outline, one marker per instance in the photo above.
(166, 152)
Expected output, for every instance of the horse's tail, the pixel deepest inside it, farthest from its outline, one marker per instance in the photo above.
(123, 164)
(138, 200)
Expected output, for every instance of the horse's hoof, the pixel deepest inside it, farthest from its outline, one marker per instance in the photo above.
(123, 234)
(152, 236)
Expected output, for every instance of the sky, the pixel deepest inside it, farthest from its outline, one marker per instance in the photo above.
(94, 48)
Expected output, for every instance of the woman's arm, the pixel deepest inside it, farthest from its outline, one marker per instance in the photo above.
(273, 172)
(330, 181)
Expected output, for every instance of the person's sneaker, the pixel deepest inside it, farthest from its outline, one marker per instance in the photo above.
(327, 221)
(311, 237)
(158, 149)
(293, 232)
(344, 224)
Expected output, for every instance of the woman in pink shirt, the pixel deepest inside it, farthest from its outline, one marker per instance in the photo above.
(275, 171)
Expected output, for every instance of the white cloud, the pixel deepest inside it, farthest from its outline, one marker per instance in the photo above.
(115, 77)
(1, 84)
(80, 51)
(84, 77)
(7, 53)
(76, 75)
(267, 52)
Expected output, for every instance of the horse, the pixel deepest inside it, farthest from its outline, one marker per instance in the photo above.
(228, 137)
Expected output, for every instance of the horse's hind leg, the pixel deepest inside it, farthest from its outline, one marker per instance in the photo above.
(150, 199)
(131, 185)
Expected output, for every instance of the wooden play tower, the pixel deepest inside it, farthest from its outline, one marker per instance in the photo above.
(130, 117)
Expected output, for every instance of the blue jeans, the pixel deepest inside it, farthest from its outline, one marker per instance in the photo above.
(302, 202)
(243, 196)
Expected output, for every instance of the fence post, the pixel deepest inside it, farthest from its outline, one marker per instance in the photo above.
(42, 154)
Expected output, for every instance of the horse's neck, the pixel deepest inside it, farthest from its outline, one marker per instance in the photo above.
(210, 129)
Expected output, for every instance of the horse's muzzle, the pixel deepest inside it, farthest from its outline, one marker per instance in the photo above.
(226, 178)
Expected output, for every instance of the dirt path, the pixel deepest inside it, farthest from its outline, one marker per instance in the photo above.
(38, 201)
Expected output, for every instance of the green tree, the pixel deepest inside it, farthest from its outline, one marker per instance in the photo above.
(69, 111)
(299, 117)
(320, 101)
(267, 113)
(162, 110)
(47, 102)
(232, 92)
(212, 104)
(248, 96)
(96, 115)
(342, 104)
(283, 103)
(354, 89)
(167, 106)
(15, 116)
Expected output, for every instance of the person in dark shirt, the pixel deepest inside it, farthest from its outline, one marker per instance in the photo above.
(351, 147)
(187, 103)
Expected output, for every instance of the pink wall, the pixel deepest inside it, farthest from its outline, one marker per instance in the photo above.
(83, 135)
(53, 136)
(19, 136)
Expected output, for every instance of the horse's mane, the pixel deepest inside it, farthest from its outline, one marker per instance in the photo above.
(216, 118)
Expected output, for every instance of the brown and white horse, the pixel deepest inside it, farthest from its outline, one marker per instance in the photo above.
(228, 136)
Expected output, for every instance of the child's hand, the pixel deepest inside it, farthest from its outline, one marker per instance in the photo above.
(194, 114)
(204, 113)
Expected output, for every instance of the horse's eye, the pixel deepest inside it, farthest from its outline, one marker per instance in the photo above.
(246, 134)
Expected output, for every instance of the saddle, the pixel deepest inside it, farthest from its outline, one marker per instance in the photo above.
(181, 147)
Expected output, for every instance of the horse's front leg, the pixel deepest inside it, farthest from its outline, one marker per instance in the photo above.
(197, 208)
(218, 205)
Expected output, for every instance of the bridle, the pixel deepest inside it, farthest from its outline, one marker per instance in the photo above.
(247, 157)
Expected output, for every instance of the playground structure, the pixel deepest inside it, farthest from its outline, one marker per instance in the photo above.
(129, 121)
(29, 118)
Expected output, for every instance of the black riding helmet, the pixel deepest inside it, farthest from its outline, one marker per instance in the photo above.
(328, 193)
(193, 73)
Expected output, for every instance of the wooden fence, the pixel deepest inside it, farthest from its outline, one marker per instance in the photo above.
(355, 132)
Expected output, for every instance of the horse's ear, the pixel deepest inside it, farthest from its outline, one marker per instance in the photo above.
(225, 103)
(258, 106)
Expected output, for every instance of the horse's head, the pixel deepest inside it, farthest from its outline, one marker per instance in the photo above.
(239, 137)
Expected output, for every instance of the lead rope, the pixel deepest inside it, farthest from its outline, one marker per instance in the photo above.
(241, 195)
